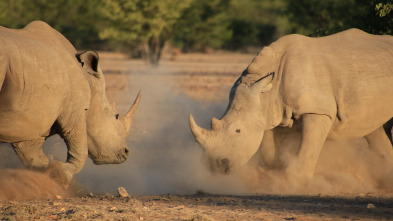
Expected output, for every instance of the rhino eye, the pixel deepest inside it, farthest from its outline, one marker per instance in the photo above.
(117, 116)
(238, 131)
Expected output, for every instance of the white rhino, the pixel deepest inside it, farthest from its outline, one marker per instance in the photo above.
(48, 88)
(339, 86)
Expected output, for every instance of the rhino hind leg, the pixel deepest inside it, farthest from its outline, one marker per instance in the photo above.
(31, 154)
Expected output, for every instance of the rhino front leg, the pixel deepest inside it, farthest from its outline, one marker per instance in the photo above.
(31, 154)
(315, 129)
(75, 138)
(270, 151)
(380, 144)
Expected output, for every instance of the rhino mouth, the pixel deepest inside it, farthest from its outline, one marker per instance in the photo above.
(109, 160)
(117, 158)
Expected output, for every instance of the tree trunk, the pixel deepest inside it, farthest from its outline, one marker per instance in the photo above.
(153, 50)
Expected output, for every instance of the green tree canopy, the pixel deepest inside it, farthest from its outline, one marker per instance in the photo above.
(313, 17)
(203, 24)
(255, 22)
(77, 20)
(146, 25)
(147, 22)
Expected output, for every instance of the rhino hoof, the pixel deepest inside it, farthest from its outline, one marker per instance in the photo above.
(58, 172)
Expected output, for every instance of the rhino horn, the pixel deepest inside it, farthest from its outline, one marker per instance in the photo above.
(127, 118)
(201, 135)
(216, 124)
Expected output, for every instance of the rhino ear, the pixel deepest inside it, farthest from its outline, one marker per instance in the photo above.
(263, 84)
(89, 61)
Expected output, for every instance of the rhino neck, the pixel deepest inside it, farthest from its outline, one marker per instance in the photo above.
(98, 99)
(276, 110)
(281, 111)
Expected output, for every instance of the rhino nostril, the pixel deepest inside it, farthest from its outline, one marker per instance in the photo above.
(126, 151)
(225, 164)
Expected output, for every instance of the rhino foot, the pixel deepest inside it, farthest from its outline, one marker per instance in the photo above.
(59, 172)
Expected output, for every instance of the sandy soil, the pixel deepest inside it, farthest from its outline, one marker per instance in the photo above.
(202, 207)
(205, 79)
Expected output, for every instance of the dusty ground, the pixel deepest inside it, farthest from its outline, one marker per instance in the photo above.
(205, 79)
(203, 207)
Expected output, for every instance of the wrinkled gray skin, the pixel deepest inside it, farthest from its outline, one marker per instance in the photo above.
(339, 87)
(48, 88)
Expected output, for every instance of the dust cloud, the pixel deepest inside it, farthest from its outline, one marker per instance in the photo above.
(166, 159)
(164, 156)
(17, 184)
(345, 166)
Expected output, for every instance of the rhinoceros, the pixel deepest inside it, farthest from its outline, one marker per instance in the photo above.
(339, 87)
(48, 88)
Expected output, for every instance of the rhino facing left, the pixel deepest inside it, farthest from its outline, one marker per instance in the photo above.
(47, 88)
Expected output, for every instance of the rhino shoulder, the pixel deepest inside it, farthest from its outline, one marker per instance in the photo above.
(38, 25)
(350, 34)
(43, 32)
(354, 31)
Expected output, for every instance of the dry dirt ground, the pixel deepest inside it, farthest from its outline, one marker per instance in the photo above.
(202, 207)
(206, 78)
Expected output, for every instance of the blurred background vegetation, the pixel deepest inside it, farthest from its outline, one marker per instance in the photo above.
(141, 28)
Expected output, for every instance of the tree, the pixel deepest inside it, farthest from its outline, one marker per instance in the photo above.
(203, 25)
(377, 17)
(318, 18)
(76, 20)
(147, 22)
(255, 22)
(313, 17)
(384, 9)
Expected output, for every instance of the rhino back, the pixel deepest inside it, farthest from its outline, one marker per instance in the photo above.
(38, 83)
(347, 76)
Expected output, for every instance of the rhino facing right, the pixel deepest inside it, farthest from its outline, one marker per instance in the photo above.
(47, 88)
(338, 86)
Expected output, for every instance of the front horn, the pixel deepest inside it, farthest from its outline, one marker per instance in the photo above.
(201, 135)
(127, 118)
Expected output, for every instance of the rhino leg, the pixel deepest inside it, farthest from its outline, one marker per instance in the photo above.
(267, 150)
(315, 129)
(379, 143)
(31, 154)
(75, 137)
(270, 151)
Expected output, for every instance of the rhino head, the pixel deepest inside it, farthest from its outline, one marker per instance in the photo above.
(234, 139)
(106, 131)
